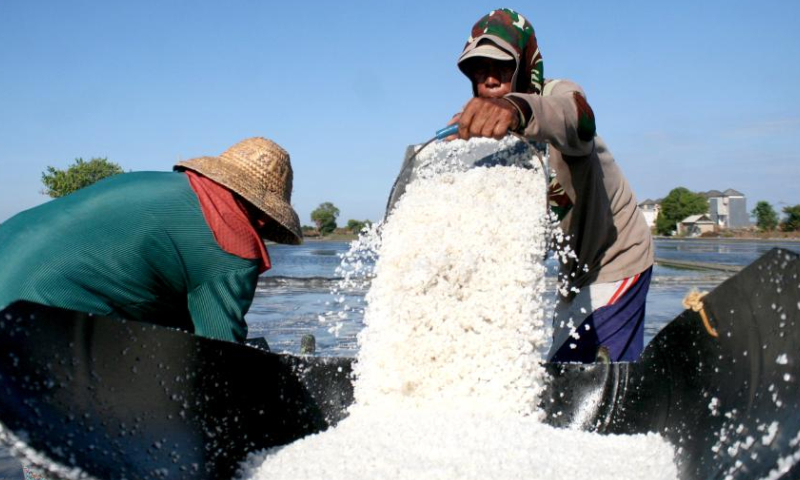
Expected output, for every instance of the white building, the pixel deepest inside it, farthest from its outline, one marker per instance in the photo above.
(650, 210)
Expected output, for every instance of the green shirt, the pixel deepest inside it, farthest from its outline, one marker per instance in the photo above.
(133, 246)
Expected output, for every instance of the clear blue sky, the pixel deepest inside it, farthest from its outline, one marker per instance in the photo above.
(696, 94)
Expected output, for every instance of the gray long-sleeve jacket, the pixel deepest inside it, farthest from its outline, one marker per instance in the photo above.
(602, 221)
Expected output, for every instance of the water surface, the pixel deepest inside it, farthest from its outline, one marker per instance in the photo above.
(294, 297)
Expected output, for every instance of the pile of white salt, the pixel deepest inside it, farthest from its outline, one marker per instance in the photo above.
(449, 369)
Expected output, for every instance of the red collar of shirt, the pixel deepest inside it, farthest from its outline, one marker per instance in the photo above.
(228, 220)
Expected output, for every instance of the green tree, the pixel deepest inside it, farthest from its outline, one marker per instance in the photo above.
(58, 183)
(325, 217)
(766, 217)
(356, 226)
(792, 222)
(679, 204)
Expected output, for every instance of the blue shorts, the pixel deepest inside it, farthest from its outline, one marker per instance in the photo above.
(617, 323)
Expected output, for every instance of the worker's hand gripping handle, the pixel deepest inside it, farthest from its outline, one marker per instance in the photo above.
(445, 132)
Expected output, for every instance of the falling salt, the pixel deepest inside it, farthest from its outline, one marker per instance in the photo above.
(785, 463)
(782, 359)
(17, 443)
(772, 431)
(713, 406)
(455, 308)
(449, 369)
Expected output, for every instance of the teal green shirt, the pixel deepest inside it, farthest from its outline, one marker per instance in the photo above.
(133, 246)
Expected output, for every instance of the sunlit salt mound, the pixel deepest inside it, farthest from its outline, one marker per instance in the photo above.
(455, 313)
(439, 444)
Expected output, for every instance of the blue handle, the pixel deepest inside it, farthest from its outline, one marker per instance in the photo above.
(445, 132)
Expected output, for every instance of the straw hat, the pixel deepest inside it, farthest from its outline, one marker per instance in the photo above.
(259, 170)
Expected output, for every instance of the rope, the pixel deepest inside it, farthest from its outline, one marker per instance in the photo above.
(694, 302)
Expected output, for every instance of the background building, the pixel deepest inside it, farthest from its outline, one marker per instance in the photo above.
(696, 225)
(728, 209)
(650, 209)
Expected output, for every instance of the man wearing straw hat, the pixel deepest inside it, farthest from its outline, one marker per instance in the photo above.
(181, 249)
(606, 247)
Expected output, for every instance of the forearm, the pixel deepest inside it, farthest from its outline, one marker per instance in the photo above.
(563, 119)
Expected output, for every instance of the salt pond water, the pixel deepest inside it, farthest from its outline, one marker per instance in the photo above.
(296, 291)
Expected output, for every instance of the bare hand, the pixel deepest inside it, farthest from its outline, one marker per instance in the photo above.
(487, 117)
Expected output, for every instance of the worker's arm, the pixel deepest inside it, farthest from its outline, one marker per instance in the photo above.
(562, 118)
(218, 306)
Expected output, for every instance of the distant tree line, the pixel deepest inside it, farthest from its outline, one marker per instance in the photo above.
(767, 218)
(324, 217)
(676, 206)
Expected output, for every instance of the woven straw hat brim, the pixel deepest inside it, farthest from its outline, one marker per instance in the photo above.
(288, 229)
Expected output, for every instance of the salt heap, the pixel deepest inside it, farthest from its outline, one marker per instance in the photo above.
(449, 369)
(454, 311)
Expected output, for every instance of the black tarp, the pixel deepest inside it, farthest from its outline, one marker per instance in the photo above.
(136, 401)
(132, 400)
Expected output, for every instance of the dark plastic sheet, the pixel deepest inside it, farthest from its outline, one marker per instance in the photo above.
(135, 401)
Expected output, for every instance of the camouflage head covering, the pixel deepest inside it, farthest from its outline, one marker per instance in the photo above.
(517, 32)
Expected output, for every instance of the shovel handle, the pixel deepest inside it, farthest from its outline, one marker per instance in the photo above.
(445, 132)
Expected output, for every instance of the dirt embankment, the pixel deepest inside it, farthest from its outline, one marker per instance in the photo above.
(753, 235)
(338, 235)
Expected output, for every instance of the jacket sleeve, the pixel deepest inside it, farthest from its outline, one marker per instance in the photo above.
(218, 306)
(562, 118)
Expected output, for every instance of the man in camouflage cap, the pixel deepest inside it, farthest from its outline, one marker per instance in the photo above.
(601, 308)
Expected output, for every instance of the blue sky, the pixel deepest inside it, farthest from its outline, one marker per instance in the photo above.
(696, 94)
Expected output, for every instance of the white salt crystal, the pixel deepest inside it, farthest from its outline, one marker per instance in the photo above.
(770, 435)
(782, 359)
(785, 463)
(713, 406)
